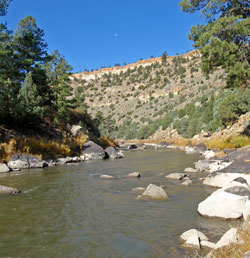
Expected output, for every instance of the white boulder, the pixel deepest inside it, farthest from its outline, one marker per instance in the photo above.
(4, 168)
(231, 236)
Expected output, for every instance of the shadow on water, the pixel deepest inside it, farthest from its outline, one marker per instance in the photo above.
(68, 211)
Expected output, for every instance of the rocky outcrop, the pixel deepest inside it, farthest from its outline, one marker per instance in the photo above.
(154, 192)
(92, 151)
(20, 161)
(8, 190)
(4, 168)
(113, 153)
(226, 203)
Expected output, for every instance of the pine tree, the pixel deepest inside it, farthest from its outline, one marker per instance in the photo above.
(224, 41)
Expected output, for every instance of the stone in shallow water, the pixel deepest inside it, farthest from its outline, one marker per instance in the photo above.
(178, 176)
(107, 177)
(154, 192)
(8, 190)
(134, 174)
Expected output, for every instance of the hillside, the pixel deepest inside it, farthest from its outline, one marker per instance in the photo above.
(151, 97)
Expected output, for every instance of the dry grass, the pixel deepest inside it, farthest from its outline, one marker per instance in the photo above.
(228, 142)
(41, 147)
(105, 141)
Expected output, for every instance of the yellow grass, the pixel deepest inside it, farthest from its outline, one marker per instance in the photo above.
(41, 147)
(228, 142)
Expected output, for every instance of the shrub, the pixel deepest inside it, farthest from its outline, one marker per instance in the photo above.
(234, 105)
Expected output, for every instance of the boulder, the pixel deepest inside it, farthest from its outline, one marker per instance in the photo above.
(20, 161)
(4, 168)
(219, 179)
(207, 244)
(92, 151)
(177, 176)
(191, 170)
(201, 147)
(113, 153)
(8, 190)
(107, 177)
(155, 192)
(192, 242)
(134, 174)
(231, 236)
(224, 203)
(187, 182)
(193, 232)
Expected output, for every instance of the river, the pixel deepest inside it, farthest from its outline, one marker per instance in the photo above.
(68, 211)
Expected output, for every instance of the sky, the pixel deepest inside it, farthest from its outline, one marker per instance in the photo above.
(95, 33)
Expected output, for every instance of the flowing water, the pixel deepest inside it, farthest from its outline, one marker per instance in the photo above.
(68, 211)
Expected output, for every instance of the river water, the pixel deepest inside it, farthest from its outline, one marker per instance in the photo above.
(68, 211)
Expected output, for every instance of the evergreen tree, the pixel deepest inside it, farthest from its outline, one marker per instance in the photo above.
(30, 106)
(224, 41)
(57, 71)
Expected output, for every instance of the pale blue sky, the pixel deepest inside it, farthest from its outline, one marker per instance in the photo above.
(95, 33)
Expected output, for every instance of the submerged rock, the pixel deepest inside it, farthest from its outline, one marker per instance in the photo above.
(187, 182)
(177, 176)
(4, 168)
(8, 190)
(154, 192)
(107, 177)
(138, 189)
